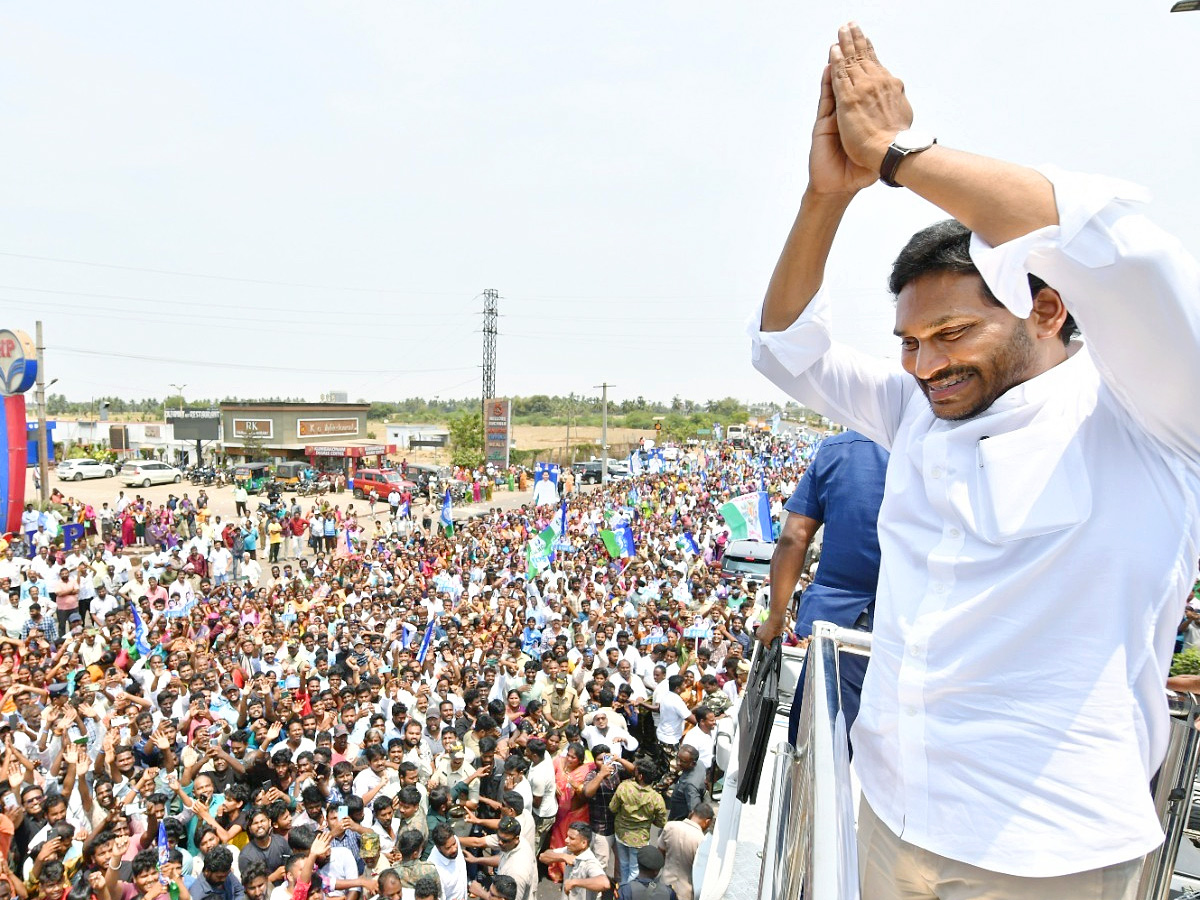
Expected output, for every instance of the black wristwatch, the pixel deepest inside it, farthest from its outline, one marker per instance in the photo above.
(905, 143)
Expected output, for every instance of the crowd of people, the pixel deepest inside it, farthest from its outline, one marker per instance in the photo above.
(357, 701)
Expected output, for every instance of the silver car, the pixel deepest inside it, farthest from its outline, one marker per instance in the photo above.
(146, 472)
(79, 469)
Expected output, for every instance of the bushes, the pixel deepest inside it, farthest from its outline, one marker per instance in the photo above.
(1187, 662)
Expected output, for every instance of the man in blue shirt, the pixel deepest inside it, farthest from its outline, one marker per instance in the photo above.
(842, 488)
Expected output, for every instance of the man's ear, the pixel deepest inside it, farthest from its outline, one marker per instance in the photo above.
(1048, 314)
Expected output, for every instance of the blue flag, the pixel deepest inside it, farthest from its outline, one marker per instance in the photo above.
(428, 638)
(624, 535)
(405, 508)
(139, 632)
(446, 520)
(164, 852)
(762, 482)
(690, 542)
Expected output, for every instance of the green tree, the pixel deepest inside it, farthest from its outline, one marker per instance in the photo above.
(254, 448)
(466, 439)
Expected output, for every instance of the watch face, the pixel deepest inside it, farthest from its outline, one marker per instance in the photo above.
(914, 139)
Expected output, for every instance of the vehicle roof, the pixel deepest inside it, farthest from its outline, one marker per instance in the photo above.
(750, 549)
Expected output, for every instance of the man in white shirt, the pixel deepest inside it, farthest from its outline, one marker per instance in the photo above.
(1027, 472)
(702, 737)
(541, 783)
(672, 714)
(13, 613)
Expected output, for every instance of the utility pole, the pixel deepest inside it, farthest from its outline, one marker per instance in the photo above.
(604, 431)
(491, 298)
(43, 439)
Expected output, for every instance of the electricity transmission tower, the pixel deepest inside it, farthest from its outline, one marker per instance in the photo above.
(490, 312)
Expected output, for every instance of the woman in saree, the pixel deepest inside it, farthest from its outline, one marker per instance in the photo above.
(128, 531)
(570, 772)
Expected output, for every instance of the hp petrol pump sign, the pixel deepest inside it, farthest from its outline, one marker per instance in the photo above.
(18, 362)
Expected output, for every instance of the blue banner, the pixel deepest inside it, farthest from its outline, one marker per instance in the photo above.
(139, 631)
(447, 520)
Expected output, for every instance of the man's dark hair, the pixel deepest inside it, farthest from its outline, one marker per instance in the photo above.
(583, 830)
(426, 888)
(409, 796)
(946, 247)
(509, 827)
(647, 770)
(410, 842)
(440, 834)
(251, 869)
(218, 860)
(514, 801)
(300, 839)
(505, 886)
(145, 861)
(439, 799)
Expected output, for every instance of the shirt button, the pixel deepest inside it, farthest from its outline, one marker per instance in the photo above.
(914, 650)
(910, 710)
(940, 588)
(954, 532)
(936, 472)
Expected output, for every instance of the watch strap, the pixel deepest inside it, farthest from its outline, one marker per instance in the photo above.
(892, 159)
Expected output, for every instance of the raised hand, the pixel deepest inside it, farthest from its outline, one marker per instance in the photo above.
(870, 104)
(321, 844)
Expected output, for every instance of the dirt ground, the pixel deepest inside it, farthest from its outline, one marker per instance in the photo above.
(98, 491)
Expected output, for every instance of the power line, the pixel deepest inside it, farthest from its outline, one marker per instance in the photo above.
(266, 281)
(108, 354)
(207, 304)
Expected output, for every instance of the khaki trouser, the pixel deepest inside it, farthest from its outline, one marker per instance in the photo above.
(605, 848)
(890, 868)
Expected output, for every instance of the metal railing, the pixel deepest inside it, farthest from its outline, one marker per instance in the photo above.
(810, 848)
(1172, 796)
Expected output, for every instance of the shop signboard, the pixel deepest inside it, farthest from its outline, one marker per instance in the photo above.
(312, 428)
(253, 428)
(497, 431)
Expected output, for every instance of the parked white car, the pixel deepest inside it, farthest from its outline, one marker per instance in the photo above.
(79, 469)
(146, 472)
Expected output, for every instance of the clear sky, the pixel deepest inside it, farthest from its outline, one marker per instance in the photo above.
(349, 177)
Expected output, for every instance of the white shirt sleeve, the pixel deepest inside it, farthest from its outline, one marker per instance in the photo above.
(1134, 292)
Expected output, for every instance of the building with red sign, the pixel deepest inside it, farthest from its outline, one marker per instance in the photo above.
(332, 436)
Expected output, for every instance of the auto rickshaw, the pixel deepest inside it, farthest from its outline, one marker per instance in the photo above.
(293, 472)
(252, 476)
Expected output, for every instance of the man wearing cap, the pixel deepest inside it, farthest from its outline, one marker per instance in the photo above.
(646, 884)
(562, 704)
